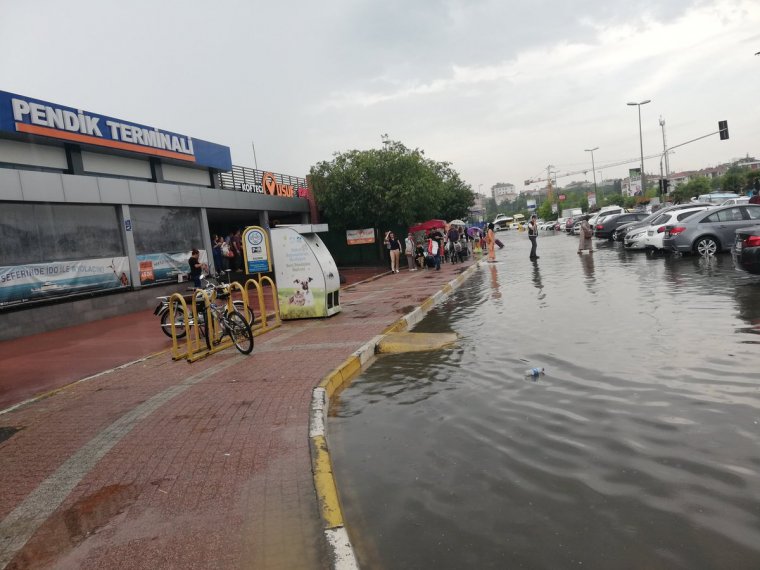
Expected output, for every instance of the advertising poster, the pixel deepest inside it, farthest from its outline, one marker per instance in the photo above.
(554, 208)
(634, 175)
(256, 250)
(161, 267)
(303, 268)
(39, 281)
(591, 199)
(358, 237)
(531, 205)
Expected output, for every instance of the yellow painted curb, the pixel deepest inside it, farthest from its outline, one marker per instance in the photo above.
(327, 492)
(414, 342)
(342, 374)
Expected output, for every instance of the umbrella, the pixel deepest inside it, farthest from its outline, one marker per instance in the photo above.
(457, 223)
(473, 231)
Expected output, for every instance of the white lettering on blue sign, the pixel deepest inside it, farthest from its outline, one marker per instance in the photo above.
(80, 122)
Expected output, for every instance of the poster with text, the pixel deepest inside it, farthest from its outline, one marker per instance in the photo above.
(256, 250)
(634, 175)
(163, 267)
(357, 237)
(41, 281)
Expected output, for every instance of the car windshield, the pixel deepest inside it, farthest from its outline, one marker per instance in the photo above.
(685, 215)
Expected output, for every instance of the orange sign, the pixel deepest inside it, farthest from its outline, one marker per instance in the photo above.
(274, 188)
(146, 271)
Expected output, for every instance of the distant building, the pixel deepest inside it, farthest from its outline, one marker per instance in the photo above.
(478, 208)
(503, 192)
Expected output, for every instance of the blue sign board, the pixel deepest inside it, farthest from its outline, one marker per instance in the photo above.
(37, 118)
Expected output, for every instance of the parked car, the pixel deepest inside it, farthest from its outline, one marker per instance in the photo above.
(621, 232)
(746, 251)
(577, 228)
(605, 227)
(651, 237)
(713, 231)
(715, 197)
(739, 200)
(569, 225)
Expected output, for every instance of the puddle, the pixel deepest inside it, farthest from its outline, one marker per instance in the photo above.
(6, 432)
(68, 528)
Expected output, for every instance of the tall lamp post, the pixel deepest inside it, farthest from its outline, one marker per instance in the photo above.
(641, 142)
(593, 169)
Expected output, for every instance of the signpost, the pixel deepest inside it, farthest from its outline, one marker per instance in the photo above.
(256, 250)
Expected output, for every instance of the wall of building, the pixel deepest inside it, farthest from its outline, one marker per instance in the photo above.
(174, 173)
(65, 313)
(99, 163)
(44, 156)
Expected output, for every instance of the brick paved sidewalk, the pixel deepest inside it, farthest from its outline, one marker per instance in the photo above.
(169, 465)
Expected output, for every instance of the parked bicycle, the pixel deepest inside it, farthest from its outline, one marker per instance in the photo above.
(208, 284)
(231, 324)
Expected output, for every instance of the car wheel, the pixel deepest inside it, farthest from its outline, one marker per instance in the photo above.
(707, 246)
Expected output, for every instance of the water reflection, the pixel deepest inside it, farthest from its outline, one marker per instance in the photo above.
(496, 294)
(640, 448)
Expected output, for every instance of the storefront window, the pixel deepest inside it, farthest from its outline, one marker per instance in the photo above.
(165, 229)
(38, 233)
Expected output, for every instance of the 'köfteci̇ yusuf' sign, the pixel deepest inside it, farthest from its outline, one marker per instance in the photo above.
(24, 115)
(256, 250)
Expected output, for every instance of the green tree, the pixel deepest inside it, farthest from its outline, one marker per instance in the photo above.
(733, 180)
(388, 187)
(545, 211)
(691, 189)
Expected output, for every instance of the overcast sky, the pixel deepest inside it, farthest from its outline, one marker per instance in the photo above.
(500, 89)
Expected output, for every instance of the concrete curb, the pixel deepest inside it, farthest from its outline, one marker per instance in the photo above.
(340, 547)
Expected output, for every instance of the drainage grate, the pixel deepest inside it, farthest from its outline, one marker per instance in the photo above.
(6, 432)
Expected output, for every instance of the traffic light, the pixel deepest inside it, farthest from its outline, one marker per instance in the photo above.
(665, 185)
(723, 128)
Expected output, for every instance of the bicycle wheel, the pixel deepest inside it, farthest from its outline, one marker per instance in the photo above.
(247, 315)
(179, 322)
(240, 332)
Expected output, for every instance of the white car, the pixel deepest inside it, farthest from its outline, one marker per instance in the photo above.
(635, 238)
(655, 232)
(739, 200)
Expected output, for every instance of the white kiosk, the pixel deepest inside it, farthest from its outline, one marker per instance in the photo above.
(307, 278)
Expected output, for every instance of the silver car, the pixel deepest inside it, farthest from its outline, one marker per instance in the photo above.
(709, 232)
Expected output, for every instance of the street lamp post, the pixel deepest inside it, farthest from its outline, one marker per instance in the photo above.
(641, 142)
(593, 169)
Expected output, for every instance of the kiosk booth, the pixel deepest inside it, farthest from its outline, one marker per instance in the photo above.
(307, 278)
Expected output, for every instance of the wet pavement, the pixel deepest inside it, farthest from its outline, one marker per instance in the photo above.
(165, 464)
(638, 448)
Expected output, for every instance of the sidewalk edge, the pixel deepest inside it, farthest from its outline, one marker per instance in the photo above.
(336, 534)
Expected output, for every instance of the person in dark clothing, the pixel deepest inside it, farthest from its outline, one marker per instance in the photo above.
(196, 268)
(437, 237)
(533, 235)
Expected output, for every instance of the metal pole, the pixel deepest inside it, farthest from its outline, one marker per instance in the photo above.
(665, 148)
(255, 162)
(641, 144)
(593, 170)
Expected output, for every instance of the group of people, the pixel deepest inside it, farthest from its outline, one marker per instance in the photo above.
(454, 244)
(228, 251)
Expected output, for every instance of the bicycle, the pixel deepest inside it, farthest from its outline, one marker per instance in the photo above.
(162, 310)
(231, 323)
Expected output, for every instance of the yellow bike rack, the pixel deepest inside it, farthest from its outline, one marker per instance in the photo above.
(260, 324)
(197, 346)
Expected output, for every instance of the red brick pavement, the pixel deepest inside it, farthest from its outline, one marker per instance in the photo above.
(216, 474)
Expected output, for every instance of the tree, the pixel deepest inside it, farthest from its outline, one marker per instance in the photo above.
(733, 180)
(544, 211)
(692, 189)
(388, 187)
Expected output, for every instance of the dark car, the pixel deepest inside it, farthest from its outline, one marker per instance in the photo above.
(709, 232)
(605, 227)
(746, 250)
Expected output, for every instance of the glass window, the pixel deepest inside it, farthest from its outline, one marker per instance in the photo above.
(661, 219)
(753, 213)
(167, 230)
(37, 233)
(685, 215)
(727, 215)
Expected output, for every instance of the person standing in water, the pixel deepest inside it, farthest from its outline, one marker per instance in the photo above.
(585, 240)
(491, 243)
(532, 236)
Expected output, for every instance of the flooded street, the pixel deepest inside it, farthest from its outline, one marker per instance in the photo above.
(638, 448)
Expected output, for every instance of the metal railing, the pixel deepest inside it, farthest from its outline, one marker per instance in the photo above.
(251, 180)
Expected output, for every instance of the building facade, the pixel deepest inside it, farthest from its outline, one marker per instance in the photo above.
(503, 192)
(92, 205)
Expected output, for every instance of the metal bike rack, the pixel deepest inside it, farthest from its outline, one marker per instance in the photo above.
(196, 345)
(261, 324)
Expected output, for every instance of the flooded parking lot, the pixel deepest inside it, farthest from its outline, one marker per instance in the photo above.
(638, 448)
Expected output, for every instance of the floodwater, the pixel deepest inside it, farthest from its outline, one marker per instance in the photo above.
(638, 448)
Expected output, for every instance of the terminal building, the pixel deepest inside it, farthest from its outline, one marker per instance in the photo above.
(92, 206)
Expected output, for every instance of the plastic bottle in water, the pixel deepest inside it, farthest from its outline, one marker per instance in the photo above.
(534, 372)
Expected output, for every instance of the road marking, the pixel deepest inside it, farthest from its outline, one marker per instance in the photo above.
(21, 524)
